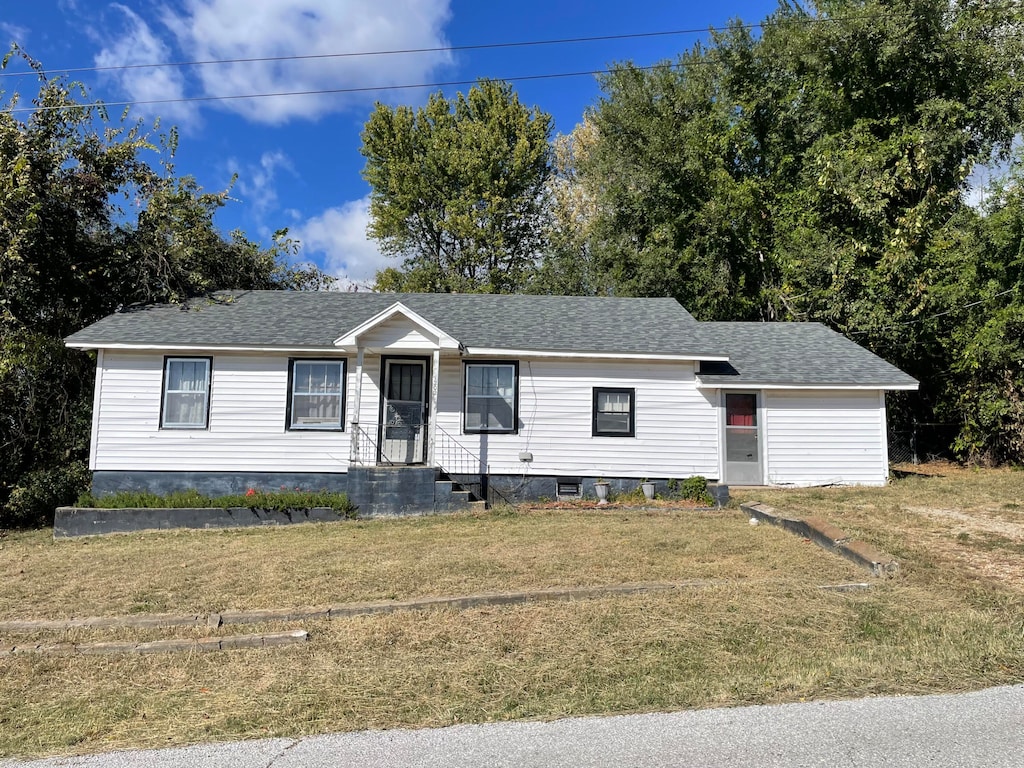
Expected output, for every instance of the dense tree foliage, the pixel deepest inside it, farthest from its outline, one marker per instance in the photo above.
(816, 169)
(458, 190)
(87, 225)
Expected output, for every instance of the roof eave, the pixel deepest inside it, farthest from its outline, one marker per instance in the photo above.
(887, 386)
(591, 354)
(150, 347)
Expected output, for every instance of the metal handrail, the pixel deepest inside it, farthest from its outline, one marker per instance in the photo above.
(364, 458)
(455, 458)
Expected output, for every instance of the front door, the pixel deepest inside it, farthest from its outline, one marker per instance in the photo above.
(742, 439)
(404, 412)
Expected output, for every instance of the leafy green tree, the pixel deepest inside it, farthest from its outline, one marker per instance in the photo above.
(677, 213)
(87, 225)
(978, 302)
(566, 266)
(458, 190)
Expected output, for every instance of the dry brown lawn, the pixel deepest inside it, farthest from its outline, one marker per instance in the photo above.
(356, 561)
(954, 619)
(951, 521)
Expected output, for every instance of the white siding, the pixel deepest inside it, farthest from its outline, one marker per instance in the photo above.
(676, 425)
(819, 437)
(248, 396)
(398, 333)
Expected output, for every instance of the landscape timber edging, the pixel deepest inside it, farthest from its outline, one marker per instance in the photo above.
(348, 610)
(829, 537)
(95, 521)
(171, 645)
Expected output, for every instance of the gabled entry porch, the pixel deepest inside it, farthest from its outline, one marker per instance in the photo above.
(400, 458)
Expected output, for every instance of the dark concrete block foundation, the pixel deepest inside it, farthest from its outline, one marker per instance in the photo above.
(106, 482)
(375, 491)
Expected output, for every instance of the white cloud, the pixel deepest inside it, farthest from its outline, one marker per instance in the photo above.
(233, 29)
(340, 235)
(14, 34)
(256, 181)
(138, 44)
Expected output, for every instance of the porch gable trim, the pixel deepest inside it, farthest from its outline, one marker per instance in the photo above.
(350, 340)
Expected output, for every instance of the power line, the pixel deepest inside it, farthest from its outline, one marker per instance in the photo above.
(937, 314)
(453, 48)
(326, 91)
(354, 54)
(382, 88)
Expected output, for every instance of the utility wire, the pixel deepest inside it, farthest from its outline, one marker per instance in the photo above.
(323, 91)
(453, 48)
(381, 88)
(937, 314)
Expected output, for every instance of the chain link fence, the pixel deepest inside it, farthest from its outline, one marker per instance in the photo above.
(922, 442)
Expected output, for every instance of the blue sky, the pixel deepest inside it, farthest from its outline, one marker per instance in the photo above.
(297, 158)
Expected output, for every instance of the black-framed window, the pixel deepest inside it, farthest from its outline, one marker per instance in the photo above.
(316, 394)
(185, 401)
(491, 401)
(614, 412)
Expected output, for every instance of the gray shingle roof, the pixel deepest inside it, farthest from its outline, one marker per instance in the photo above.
(804, 354)
(308, 319)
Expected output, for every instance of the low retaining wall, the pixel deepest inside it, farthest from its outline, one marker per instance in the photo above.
(829, 537)
(90, 521)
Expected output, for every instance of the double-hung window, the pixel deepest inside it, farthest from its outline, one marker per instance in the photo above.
(490, 402)
(317, 396)
(186, 400)
(614, 412)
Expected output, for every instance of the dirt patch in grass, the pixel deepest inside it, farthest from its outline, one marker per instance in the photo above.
(626, 502)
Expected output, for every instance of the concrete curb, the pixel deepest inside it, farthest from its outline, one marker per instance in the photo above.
(343, 610)
(829, 537)
(266, 640)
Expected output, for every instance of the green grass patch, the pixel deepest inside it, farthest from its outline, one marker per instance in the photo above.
(280, 501)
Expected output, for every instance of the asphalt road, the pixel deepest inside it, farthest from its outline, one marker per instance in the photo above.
(984, 728)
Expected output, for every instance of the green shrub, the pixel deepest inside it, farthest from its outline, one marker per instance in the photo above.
(279, 501)
(37, 494)
(692, 488)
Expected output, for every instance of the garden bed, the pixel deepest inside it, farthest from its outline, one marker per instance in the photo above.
(131, 511)
(95, 521)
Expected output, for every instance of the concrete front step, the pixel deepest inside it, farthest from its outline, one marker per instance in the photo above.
(380, 491)
(448, 497)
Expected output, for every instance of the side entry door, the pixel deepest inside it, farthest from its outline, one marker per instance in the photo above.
(742, 439)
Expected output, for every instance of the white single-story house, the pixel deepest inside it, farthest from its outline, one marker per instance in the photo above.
(525, 396)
